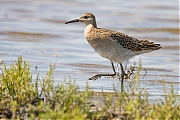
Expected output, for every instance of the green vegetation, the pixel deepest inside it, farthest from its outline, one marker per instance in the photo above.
(22, 98)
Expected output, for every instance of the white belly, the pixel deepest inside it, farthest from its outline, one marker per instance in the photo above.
(111, 50)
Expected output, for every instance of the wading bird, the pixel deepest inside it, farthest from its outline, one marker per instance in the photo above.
(115, 46)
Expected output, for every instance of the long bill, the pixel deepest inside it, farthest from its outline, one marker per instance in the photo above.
(75, 20)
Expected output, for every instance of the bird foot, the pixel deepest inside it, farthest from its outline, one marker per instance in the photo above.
(95, 77)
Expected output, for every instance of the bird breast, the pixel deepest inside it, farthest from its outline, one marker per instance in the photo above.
(88, 30)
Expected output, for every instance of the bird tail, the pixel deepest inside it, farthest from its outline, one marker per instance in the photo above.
(150, 45)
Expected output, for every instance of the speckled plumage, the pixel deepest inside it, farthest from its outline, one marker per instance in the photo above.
(115, 46)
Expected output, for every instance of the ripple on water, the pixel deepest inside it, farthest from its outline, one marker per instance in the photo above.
(36, 30)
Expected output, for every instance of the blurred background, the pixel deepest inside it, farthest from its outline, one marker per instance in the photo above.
(36, 30)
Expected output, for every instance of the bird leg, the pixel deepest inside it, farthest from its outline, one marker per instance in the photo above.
(99, 75)
(122, 77)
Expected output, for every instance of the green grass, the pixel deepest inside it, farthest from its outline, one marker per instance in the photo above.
(21, 97)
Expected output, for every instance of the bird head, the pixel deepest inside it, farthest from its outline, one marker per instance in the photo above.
(86, 18)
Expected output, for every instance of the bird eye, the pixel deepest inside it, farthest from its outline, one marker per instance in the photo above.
(85, 17)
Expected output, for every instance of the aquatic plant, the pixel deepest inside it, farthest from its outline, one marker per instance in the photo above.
(21, 97)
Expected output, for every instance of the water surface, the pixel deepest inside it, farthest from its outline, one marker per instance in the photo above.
(36, 30)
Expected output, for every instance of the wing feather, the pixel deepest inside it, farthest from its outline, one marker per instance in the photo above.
(129, 42)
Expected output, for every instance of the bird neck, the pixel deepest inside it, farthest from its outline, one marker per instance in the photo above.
(93, 23)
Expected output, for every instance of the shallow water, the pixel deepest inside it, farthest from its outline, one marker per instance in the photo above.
(36, 30)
